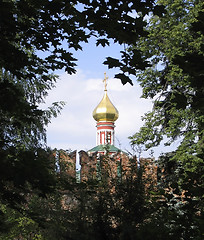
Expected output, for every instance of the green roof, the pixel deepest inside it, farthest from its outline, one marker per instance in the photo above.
(108, 147)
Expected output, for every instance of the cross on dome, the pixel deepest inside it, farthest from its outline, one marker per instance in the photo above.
(105, 111)
(105, 81)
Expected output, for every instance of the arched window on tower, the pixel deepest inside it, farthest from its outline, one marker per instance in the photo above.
(108, 140)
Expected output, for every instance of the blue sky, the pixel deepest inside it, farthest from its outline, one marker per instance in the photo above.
(75, 127)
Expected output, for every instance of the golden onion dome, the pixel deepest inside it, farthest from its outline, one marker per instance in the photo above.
(105, 111)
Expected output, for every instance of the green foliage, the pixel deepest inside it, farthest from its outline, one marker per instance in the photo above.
(25, 162)
(58, 28)
(179, 209)
(111, 209)
(173, 48)
(174, 80)
(18, 226)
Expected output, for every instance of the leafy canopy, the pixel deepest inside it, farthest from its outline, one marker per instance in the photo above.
(174, 80)
(58, 27)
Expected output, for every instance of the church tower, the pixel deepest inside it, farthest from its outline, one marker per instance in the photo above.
(105, 115)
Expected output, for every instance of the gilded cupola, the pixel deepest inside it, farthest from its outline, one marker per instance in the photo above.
(105, 111)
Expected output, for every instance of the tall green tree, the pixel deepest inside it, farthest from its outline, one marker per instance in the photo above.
(170, 38)
(175, 82)
(26, 164)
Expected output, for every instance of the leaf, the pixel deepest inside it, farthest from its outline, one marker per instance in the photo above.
(112, 62)
(102, 42)
(159, 10)
(124, 79)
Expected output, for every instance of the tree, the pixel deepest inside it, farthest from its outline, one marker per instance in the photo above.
(18, 226)
(25, 162)
(174, 80)
(165, 81)
(177, 92)
(56, 27)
